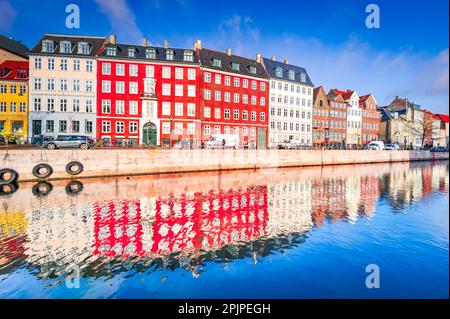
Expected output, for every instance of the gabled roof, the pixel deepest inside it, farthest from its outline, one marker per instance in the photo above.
(96, 43)
(272, 65)
(402, 103)
(14, 46)
(207, 56)
(443, 117)
(345, 94)
(14, 70)
(140, 53)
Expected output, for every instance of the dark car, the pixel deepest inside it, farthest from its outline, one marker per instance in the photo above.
(41, 139)
(438, 149)
(70, 141)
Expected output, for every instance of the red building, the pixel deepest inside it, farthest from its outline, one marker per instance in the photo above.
(370, 126)
(147, 95)
(234, 97)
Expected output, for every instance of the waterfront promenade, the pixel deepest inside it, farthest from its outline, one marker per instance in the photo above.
(117, 162)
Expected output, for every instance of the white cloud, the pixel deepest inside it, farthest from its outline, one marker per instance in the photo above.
(122, 20)
(7, 16)
(353, 64)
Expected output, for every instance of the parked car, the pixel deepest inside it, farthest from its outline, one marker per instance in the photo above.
(290, 144)
(392, 147)
(70, 141)
(438, 149)
(376, 145)
(222, 141)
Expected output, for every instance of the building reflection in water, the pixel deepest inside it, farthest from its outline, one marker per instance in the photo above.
(184, 220)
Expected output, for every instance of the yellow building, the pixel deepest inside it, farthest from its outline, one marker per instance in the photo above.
(14, 100)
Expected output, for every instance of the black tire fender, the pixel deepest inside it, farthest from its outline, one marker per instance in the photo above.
(74, 168)
(42, 189)
(8, 175)
(8, 189)
(37, 171)
(74, 188)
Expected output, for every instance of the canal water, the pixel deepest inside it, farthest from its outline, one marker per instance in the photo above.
(360, 231)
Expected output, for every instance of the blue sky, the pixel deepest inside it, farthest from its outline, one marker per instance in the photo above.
(407, 56)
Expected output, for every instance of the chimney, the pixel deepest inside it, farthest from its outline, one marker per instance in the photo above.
(145, 42)
(166, 44)
(198, 44)
(112, 38)
(273, 58)
(286, 62)
(229, 52)
(258, 58)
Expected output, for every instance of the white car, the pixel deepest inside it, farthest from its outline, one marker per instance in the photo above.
(218, 141)
(376, 146)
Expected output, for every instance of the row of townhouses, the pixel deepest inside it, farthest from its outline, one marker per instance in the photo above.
(160, 96)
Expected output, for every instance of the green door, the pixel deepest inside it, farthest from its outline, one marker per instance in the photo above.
(149, 134)
(261, 138)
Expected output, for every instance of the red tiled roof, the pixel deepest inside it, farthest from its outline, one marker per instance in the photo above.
(443, 117)
(345, 94)
(9, 70)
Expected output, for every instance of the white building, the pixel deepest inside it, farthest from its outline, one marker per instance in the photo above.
(63, 77)
(290, 106)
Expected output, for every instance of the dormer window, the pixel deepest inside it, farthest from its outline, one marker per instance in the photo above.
(47, 46)
(150, 53)
(188, 55)
(83, 48)
(131, 52)
(169, 54)
(235, 66)
(111, 51)
(278, 72)
(291, 75)
(303, 77)
(217, 63)
(65, 47)
(252, 69)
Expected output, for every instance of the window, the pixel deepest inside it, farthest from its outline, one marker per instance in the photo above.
(13, 107)
(165, 108)
(191, 128)
(133, 127)
(111, 51)
(278, 72)
(253, 131)
(63, 105)
(50, 84)
(188, 55)
(2, 106)
(217, 79)
(75, 126)
(89, 128)
(235, 66)
(207, 94)
(133, 87)
(207, 112)
(88, 106)
(236, 82)
(303, 77)
(149, 71)
(216, 129)
(179, 109)
(106, 68)
(76, 85)
(106, 106)
(191, 109)
(106, 86)
(63, 65)
(236, 98)
(236, 115)
(169, 54)
(206, 130)
(76, 105)
(179, 73)
(120, 127)
(217, 96)
(262, 116)
(88, 86)
(36, 104)
(133, 70)
(22, 107)
(244, 131)
(207, 77)
(217, 113)
(166, 89)
(263, 86)
(120, 87)
(226, 114)
(89, 66)
(178, 90)
(253, 100)
(37, 63)
(120, 69)
(120, 107)
(253, 116)
(217, 63)
(133, 107)
(131, 52)
(47, 46)
(245, 115)
(166, 128)
(13, 89)
(83, 48)
(62, 85)
(262, 101)
(166, 72)
(76, 65)
(227, 80)
(191, 90)
(191, 74)
(49, 126)
(227, 97)
(63, 126)
(245, 99)
(106, 126)
(178, 128)
(51, 64)
(150, 53)
(291, 75)
(245, 83)
(252, 69)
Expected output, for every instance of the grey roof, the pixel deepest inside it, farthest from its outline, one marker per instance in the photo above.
(96, 44)
(13, 46)
(207, 56)
(140, 53)
(272, 65)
